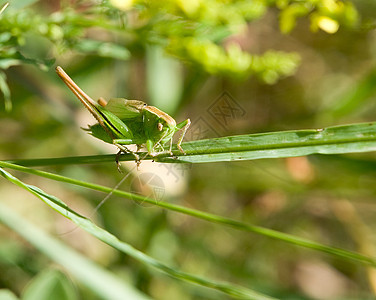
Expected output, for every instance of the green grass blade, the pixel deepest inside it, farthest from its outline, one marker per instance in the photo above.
(338, 252)
(332, 140)
(108, 238)
(70, 160)
(87, 272)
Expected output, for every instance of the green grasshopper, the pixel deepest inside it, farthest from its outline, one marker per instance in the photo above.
(123, 122)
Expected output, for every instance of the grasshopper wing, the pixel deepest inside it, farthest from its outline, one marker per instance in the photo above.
(125, 109)
(113, 124)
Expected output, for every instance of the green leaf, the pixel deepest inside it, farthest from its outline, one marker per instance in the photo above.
(50, 284)
(332, 140)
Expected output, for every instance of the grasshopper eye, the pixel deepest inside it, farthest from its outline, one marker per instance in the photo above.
(160, 126)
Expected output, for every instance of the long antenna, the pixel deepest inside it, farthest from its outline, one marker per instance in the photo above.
(84, 98)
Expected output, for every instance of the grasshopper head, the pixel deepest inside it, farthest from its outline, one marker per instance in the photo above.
(159, 126)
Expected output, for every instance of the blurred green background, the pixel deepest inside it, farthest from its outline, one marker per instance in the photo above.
(232, 67)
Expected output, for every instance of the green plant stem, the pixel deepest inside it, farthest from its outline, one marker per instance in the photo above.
(348, 255)
(110, 239)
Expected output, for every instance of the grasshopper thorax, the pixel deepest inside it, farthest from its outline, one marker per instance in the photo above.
(170, 121)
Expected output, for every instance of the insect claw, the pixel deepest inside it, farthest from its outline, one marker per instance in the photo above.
(117, 160)
(181, 149)
(138, 162)
(174, 157)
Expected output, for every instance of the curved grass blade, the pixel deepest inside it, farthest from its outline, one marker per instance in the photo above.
(99, 280)
(108, 238)
(292, 239)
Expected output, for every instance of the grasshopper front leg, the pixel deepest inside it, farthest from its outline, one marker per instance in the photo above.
(184, 127)
(151, 146)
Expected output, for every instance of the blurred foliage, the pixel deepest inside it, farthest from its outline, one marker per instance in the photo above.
(326, 15)
(278, 64)
(198, 32)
